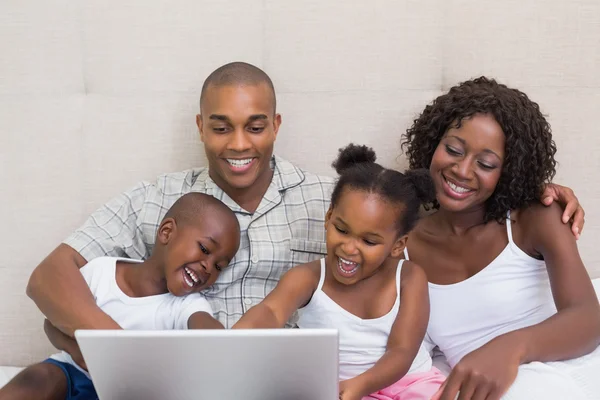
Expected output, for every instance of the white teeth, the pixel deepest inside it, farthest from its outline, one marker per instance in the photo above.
(193, 278)
(239, 163)
(189, 283)
(346, 262)
(456, 188)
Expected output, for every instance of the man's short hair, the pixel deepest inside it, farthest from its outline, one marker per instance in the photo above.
(238, 73)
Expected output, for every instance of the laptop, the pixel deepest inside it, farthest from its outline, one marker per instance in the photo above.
(255, 364)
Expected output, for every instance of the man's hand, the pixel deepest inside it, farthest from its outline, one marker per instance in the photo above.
(64, 343)
(567, 199)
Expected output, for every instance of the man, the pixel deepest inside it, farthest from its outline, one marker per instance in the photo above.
(280, 207)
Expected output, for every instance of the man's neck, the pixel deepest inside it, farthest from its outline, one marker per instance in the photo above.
(247, 198)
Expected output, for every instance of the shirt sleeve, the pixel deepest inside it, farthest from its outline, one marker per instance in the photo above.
(190, 304)
(114, 229)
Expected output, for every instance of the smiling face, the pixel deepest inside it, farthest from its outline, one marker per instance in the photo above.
(195, 253)
(467, 164)
(362, 233)
(238, 127)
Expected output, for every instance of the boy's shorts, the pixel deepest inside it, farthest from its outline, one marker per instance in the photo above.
(79, 386)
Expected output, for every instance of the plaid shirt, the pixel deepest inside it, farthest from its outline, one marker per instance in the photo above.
(286, 229)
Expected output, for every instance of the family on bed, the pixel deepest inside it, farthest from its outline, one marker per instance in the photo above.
(471, 252)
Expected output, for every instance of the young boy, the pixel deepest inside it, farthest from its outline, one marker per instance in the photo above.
(196, 239)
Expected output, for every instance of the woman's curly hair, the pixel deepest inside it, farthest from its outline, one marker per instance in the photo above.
(529, 154)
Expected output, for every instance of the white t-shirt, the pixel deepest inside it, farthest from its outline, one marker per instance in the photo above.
(159, 312)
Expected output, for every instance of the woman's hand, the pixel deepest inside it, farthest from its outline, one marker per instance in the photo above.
(569, 202)
(486, 373)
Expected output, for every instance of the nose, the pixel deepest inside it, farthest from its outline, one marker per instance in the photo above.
(239, 141)
(462, 169)
(349, 247)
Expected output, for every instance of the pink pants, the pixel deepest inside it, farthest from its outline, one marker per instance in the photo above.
(419, 386)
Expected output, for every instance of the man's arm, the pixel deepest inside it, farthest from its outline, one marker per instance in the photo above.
(57, 286)
(62, 295)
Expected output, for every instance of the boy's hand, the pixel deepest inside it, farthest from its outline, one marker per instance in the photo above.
(64, 343)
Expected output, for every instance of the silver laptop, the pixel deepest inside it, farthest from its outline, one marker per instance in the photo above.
(277, 364)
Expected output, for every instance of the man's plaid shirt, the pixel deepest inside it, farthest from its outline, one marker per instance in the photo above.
(286, 229)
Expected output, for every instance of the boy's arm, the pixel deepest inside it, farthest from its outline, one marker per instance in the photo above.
(203, 320)
(293, 291)
(65, 343)
(404, 341)
(56, 285)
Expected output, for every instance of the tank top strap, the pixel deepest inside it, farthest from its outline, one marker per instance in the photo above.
(406, 253)
(508, 228)
(398, 277)
(322, 277)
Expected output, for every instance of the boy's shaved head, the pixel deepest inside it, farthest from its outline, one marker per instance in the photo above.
(237, 74)
(193, 207)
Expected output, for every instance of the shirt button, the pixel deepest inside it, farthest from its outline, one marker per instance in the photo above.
(254, 258)
(248, 301)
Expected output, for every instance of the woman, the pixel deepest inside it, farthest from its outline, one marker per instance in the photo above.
(507, 284)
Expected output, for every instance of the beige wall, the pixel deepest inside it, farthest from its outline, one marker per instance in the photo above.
(96, 95)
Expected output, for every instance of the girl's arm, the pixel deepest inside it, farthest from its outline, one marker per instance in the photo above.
(293, 291)
(404, 341)
(572, 332)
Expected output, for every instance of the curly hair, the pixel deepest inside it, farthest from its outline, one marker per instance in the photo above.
(529, 154)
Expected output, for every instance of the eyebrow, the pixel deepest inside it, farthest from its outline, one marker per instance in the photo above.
(251, 118)
(364, 234)
(464, 142)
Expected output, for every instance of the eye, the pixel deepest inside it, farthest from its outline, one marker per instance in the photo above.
(452, 151)
(486, 166)
(369, 242)
(204, 249)
(219, 129)
(340, 230)
(218, 268)
(256, 129)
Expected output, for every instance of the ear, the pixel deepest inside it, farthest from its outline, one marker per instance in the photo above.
(398, 247)
(200, 126)
(276, 124)
(328, 216)
(166, 230)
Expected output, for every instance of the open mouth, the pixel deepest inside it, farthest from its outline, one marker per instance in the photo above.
(240, 164)
(456, 190)
(347, 268)
(190, 277)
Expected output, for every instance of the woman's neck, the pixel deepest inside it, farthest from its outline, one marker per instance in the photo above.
(142, 280)
(459, 223)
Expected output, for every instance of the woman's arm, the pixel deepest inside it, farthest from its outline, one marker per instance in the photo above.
(573, 331)
(404, 341)
(293, 291)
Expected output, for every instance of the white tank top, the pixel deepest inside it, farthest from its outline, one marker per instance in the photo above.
(511, 293)
(362, 341)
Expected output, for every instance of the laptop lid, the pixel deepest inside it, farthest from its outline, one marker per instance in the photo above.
(212, 364)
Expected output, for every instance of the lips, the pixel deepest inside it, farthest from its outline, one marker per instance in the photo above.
(347, 268)
(191, 278)
(455, 190)
(240, 165)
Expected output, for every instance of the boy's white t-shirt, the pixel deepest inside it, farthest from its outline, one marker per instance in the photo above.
(159, 312)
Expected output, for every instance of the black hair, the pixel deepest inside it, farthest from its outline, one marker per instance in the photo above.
(193, 207)
(358, 170)
(529, 156)
(238, 73)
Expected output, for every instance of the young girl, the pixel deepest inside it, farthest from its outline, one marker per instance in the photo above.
(359, 287)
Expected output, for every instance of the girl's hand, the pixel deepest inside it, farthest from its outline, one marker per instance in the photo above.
(486, 373)
(348, 391)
